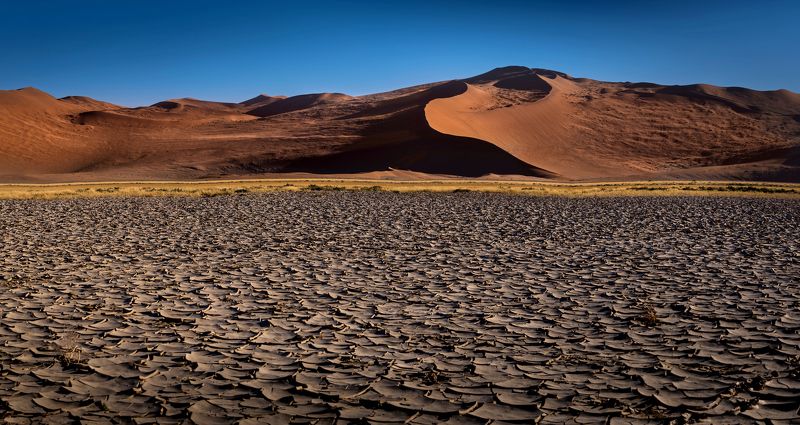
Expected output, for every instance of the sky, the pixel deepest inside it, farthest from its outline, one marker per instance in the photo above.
(140, 52)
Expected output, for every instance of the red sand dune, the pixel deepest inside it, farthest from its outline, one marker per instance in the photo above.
(584, 129)
(297, 103)
(37, 135)
(512, 121)
(89, 103)
(261, 100)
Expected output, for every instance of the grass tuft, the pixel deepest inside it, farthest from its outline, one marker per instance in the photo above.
(70, 348)
(648, 316)
(316, 187)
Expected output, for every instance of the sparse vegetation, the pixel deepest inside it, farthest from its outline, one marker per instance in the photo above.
(648, 316)
(722, 188)
(530, 188)
(70, 348)
(316, 187)
(211, 194)
(744, 188)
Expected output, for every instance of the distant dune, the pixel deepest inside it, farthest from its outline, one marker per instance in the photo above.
(89, 103)
(584, 129)
(261, 100)
(513, 121)
(38, 136)
(297, 103)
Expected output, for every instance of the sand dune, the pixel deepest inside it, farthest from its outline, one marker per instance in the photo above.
(398, 136)
(536, 132)
(31, 99)
(584, 129)
(261, 100)
(37, 135)
(89, 103)
(509, 121)
(190, 103)
(297, 103)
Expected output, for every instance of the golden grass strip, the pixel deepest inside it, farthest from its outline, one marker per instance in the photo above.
(241, 187)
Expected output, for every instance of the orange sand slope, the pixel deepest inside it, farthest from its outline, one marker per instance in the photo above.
(512, 121)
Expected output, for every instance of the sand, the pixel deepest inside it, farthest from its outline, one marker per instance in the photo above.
(512, 121)
(400, 308)
(584, 129)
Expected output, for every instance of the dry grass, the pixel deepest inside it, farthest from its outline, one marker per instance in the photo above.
(241, 187)
(70, 349)
(648, 316)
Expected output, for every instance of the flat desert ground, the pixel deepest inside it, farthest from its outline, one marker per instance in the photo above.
(337, 306)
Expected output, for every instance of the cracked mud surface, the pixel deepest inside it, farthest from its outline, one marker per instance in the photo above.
(390, 308)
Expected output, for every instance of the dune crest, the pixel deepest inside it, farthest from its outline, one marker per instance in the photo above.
(37, 135)
(516, 122)
(396, 136)
(535, 130)
(261, 100)
(90, 104)
(585, 129)
(297, 103)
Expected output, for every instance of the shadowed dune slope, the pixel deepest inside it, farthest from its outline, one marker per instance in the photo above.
(399, 137)
(260, 100)
(190, 103)
(538, 132)
(89, 103)
(297, 103)
(509, 121)
(585, 129)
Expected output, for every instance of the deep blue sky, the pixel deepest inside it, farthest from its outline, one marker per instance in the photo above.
(140, 52)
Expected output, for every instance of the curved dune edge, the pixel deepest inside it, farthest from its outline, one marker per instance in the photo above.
(37, 136)
(537, 133)
(511, 121)
(402, 139)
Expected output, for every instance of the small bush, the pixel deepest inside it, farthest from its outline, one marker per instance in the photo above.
(214, 194)
(745, 188)
(70, 349)
(648, 316)
(316, 187)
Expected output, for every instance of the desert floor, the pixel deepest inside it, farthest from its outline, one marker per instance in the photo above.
(323, 306)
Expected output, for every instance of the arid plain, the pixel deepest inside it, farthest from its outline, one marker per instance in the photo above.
(521, 246)
(382, 307)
